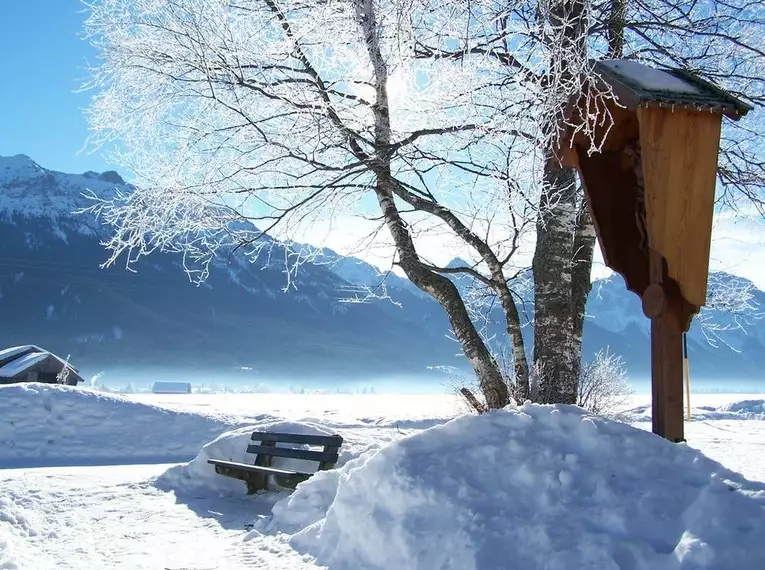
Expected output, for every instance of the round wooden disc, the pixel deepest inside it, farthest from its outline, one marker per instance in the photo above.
(654, 301)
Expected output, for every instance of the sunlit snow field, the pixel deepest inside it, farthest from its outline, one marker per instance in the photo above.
(95, 481)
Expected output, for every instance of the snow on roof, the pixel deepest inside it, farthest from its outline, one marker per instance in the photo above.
(649, 78)
(636, 84)
(14, 350)
(171, 387)
(18, 365)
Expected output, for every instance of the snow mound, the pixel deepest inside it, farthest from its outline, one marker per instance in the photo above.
(535, 487)
(734, 411)
(48, 424)
(750, 409)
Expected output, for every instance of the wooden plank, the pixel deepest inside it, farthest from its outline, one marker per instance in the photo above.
(254, 468)
(679, 150)
(318, 440)
(609, 186)
(292, 453)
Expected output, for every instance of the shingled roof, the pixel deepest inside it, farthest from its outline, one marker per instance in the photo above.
(636, 84)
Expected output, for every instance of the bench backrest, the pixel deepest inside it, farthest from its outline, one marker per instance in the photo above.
(268, 440)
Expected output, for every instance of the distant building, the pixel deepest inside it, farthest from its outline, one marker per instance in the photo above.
(171, 388)
(31, 363)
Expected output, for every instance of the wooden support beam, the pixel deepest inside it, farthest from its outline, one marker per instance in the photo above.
(667, 376)
(663, 304)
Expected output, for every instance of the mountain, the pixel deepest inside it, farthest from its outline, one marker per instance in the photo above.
(54, 294)
(721, 344)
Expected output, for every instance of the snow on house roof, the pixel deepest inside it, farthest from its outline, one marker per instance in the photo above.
(171, 387)
(649, 78)
(22, 363)
(17, 359)
(9, 353)
(636, 84)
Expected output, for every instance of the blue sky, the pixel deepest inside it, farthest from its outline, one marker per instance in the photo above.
(43, 64)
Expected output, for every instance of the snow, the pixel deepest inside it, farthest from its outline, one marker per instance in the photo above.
(738, 410)
(753, 409)
(540, 487)
(171, 388)
(650, 78)
(49, 424)
(96, 517)
(15, 350)
(17, 366)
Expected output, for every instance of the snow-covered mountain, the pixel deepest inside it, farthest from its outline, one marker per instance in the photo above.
(53, 294)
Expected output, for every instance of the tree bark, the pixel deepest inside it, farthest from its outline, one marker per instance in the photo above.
(522, 391)
(553, 307)
(555, 351)
(581, 280)
(616, 28)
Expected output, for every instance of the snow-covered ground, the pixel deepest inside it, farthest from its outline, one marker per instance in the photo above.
(483, 493)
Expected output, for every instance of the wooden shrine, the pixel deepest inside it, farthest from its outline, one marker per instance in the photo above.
(651, 190)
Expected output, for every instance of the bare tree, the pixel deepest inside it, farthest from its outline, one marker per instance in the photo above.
(249, 120)
(284, 114)
(731, 306)
(603, 386)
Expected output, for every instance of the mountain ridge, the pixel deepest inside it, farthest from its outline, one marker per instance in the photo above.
(54, 294)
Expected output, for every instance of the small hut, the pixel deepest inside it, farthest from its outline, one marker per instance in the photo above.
(171, 388)
(31, 363)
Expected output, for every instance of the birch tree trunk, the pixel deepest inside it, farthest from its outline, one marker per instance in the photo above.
(554, 347)
(585, 238)
(556, 353)
(581, 280)
(441, 288)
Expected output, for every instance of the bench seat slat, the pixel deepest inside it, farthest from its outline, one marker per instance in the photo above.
(324, 440)
(254, 468)
(320, 456)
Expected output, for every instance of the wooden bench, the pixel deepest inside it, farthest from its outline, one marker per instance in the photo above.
(256, 476)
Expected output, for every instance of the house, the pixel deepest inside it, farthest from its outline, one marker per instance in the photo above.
(31, 363)
(171, 388)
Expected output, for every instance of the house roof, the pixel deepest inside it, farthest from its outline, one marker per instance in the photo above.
(636, 84)
(171, 387)
(12, 353)
(17, 359)
(22, 363)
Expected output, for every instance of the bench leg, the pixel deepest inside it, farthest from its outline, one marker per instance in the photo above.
(259, 481)
(255, 481)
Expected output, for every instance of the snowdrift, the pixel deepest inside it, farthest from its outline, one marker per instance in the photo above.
(536, 487)
(734, 411)
(48, 424)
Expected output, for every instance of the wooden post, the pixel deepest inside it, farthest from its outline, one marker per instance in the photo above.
(663, 306)
(667, 376)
